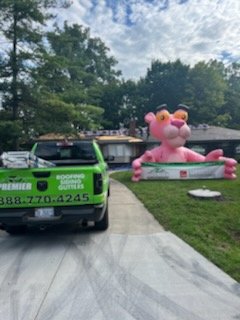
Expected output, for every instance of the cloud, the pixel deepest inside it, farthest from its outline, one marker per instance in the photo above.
(138, 31)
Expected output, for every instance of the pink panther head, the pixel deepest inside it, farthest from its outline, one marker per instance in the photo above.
(170, 129)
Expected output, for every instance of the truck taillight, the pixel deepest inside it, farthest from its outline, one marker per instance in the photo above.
(98, 183)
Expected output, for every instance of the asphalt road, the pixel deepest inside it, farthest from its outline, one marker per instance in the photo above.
(135, 270)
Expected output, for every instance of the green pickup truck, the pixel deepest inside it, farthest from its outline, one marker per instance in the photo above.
(74, 190)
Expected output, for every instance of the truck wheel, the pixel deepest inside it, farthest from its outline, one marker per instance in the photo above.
(14, 230)
(102, 224)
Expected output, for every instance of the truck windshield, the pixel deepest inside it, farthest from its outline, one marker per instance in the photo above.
(54, 151)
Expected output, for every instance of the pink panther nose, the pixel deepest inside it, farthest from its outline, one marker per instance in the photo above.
(177, 123)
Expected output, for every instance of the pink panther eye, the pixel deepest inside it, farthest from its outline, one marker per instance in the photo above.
(162, 115)
(181, 114)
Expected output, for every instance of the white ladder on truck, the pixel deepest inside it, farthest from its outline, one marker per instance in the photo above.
(23, 159)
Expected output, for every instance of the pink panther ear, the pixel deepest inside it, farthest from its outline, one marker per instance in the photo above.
(149, 117)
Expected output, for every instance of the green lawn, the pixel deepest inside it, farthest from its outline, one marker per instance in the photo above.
(212, 227)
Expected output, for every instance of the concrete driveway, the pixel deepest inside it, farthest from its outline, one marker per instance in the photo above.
(135, 270)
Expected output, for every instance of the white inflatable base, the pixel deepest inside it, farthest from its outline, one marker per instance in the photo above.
(182, 170)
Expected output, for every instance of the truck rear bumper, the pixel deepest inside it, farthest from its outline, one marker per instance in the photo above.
(73, 214)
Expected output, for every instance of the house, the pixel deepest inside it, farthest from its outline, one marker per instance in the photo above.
(124, 149)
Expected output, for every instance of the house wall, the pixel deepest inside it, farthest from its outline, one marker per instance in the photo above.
(121, 152)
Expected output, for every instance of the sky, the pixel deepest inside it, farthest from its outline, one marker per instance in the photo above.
(140, 31)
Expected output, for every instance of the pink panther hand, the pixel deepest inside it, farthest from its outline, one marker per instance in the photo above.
(148, 156)
(137, 165)
(230, 164)
(137, 170)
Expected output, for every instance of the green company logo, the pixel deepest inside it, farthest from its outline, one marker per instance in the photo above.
(158, 172)
(14, 179)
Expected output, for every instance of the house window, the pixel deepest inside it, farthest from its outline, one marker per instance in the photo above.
(119, 150)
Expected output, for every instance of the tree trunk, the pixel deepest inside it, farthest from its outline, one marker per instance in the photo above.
(15, 77)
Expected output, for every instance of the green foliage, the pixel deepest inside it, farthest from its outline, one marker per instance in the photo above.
(206, 91)
(165, 83)
(211, 226)
(122, 102)
(55, 85)
(77, 69)
(55, 116)
(20, 24)
(87, 117)
(232, 97)
(85, 60)
(205, 87)
(112, 97)
(10, 131)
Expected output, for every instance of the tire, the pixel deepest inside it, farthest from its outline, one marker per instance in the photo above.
(103, 224)
(16, 230)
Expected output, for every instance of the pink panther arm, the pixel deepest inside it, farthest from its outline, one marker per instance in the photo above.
(137, 164)
(215, 155)
(230, 163)
(192, 156)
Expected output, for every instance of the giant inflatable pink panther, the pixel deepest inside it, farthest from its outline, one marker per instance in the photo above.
(172, 130)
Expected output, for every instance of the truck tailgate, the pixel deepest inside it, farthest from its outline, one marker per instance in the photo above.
(46, 187)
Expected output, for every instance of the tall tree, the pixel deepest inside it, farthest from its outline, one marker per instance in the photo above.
(21, 23)
(123, 101)
(206, 91)
(111, 99)
(78, 69)
(131, 110)
(232, 96)
(85, 61)
(164, 83)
